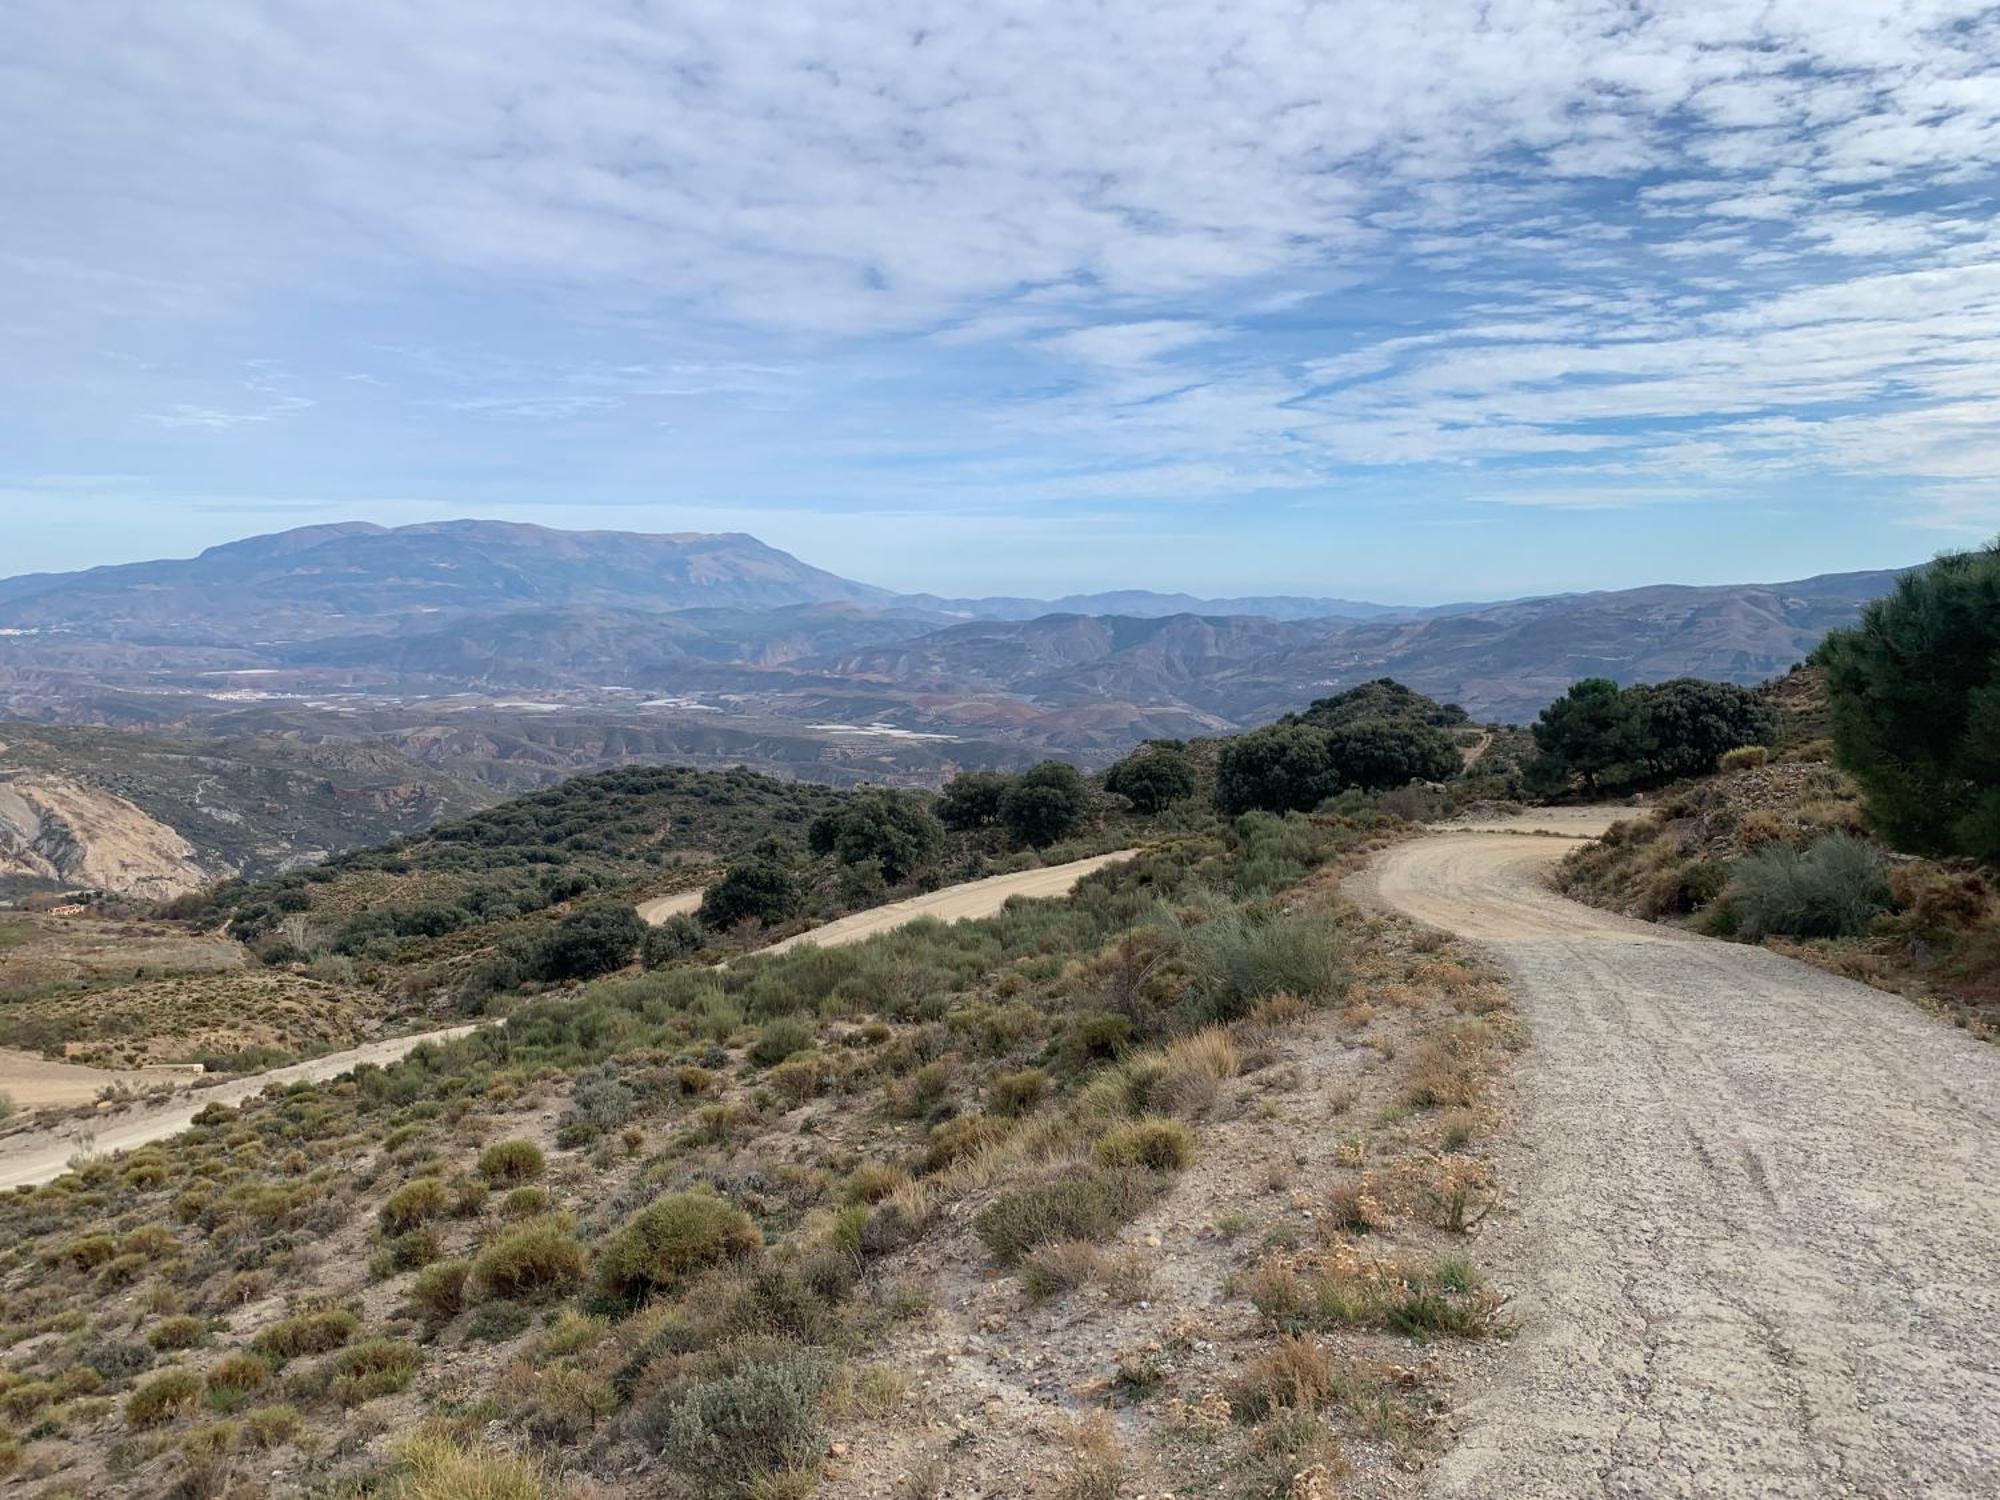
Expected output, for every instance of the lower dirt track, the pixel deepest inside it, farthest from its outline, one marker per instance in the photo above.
(1754, 1225)
(37, 1156)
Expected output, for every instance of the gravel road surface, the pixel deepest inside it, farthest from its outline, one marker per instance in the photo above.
(1754, 1229)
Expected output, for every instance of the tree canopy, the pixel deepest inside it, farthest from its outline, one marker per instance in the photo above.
(1044, 803)
(1152, 777)
(1914, 697)
(1616, 739)
(1282, 768)
(764, 886)
(1377, 754)
(893, 828)
(972, 799)
(594, 940)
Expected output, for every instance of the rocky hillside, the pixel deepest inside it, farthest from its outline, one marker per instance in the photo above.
(151, 817)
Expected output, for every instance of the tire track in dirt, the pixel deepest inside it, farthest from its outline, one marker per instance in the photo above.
(1757, 1214)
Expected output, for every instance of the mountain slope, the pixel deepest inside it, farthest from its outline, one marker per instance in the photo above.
(152, 816)
(326, 580)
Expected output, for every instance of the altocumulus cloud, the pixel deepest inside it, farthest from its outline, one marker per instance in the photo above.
(1536, 251)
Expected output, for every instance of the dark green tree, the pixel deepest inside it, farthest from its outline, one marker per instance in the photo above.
(1377, 754)
(1914, 696)
(1285, 768)
(1152, 778)
(679, 936)
(1593, 731)
(894, 829)
(1687, 724)
(972, 800)
(594, 940)
(764, 886)
(1045, 803)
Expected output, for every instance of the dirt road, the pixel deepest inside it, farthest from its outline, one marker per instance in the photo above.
(1755, 1239)
(657, 910)
(958, 903)
(43, 1155)
(40, 1156)
(30, 1081)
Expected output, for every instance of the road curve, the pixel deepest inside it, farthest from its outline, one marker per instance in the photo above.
(679, 904)
(1757, 1213)
(42, 1155)
(39, 1156)
(956, 903)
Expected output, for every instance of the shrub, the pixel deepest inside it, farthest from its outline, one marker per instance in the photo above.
(376, 1367)
(1835, 888)
(598, 939)
(525, 1203)
(435, 1467)
(752, 1411)
(506, 1162)
(1240, 961)
(415, 1202)
(1193, 1071)
(273, 1426)
(599, 1100)
(231, 1380)
(530, 1263)
(320, 1331)
(779, 1039)
(1152, 1141)
(1083, 1203)
(1743, 757)
(118, 1359)
(1014, 1094)
(1044, 804)
(438, 1293)
(1295, 1375)
(679, 936)
(162, 1398)
(665, 1244)
(177, 1333)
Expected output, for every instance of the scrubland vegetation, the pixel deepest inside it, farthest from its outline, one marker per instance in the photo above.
(699, 1231)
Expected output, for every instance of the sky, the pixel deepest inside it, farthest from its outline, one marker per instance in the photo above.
(1410, 302)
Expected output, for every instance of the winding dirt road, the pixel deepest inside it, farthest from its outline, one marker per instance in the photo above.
(1756, 1250)
(36, 1156)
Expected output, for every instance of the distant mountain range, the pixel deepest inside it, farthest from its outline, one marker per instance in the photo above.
(400, 634)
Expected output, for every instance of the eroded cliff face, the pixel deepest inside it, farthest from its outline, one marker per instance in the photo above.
(56, 829)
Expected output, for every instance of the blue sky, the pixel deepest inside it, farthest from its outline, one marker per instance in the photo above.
(1409, 302)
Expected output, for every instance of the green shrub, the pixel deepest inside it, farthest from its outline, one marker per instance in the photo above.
(232, 1379)
(416, 1202)
(779, 1039)
(1835, 888)
(679, 936)
(376, 1367)
(668, 1242)
(1083, 1203)
(763, 888)
(750, 1411)
(1044, 803)
(894, 830)
(599, 1101)
(274, 1426)
(1285, 768)
(525, 1203)
(530, 1263)
(506, 1162)
(162, 1398)
(1013, 1094)
(180, 1332)
(1239, 961)
(438, 1293)
(1743, 757)
(1153, 778)
(1153, 1141)
(320, 1331)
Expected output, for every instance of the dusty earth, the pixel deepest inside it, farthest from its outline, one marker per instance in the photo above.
(30, 1082)
(1758, 1210)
